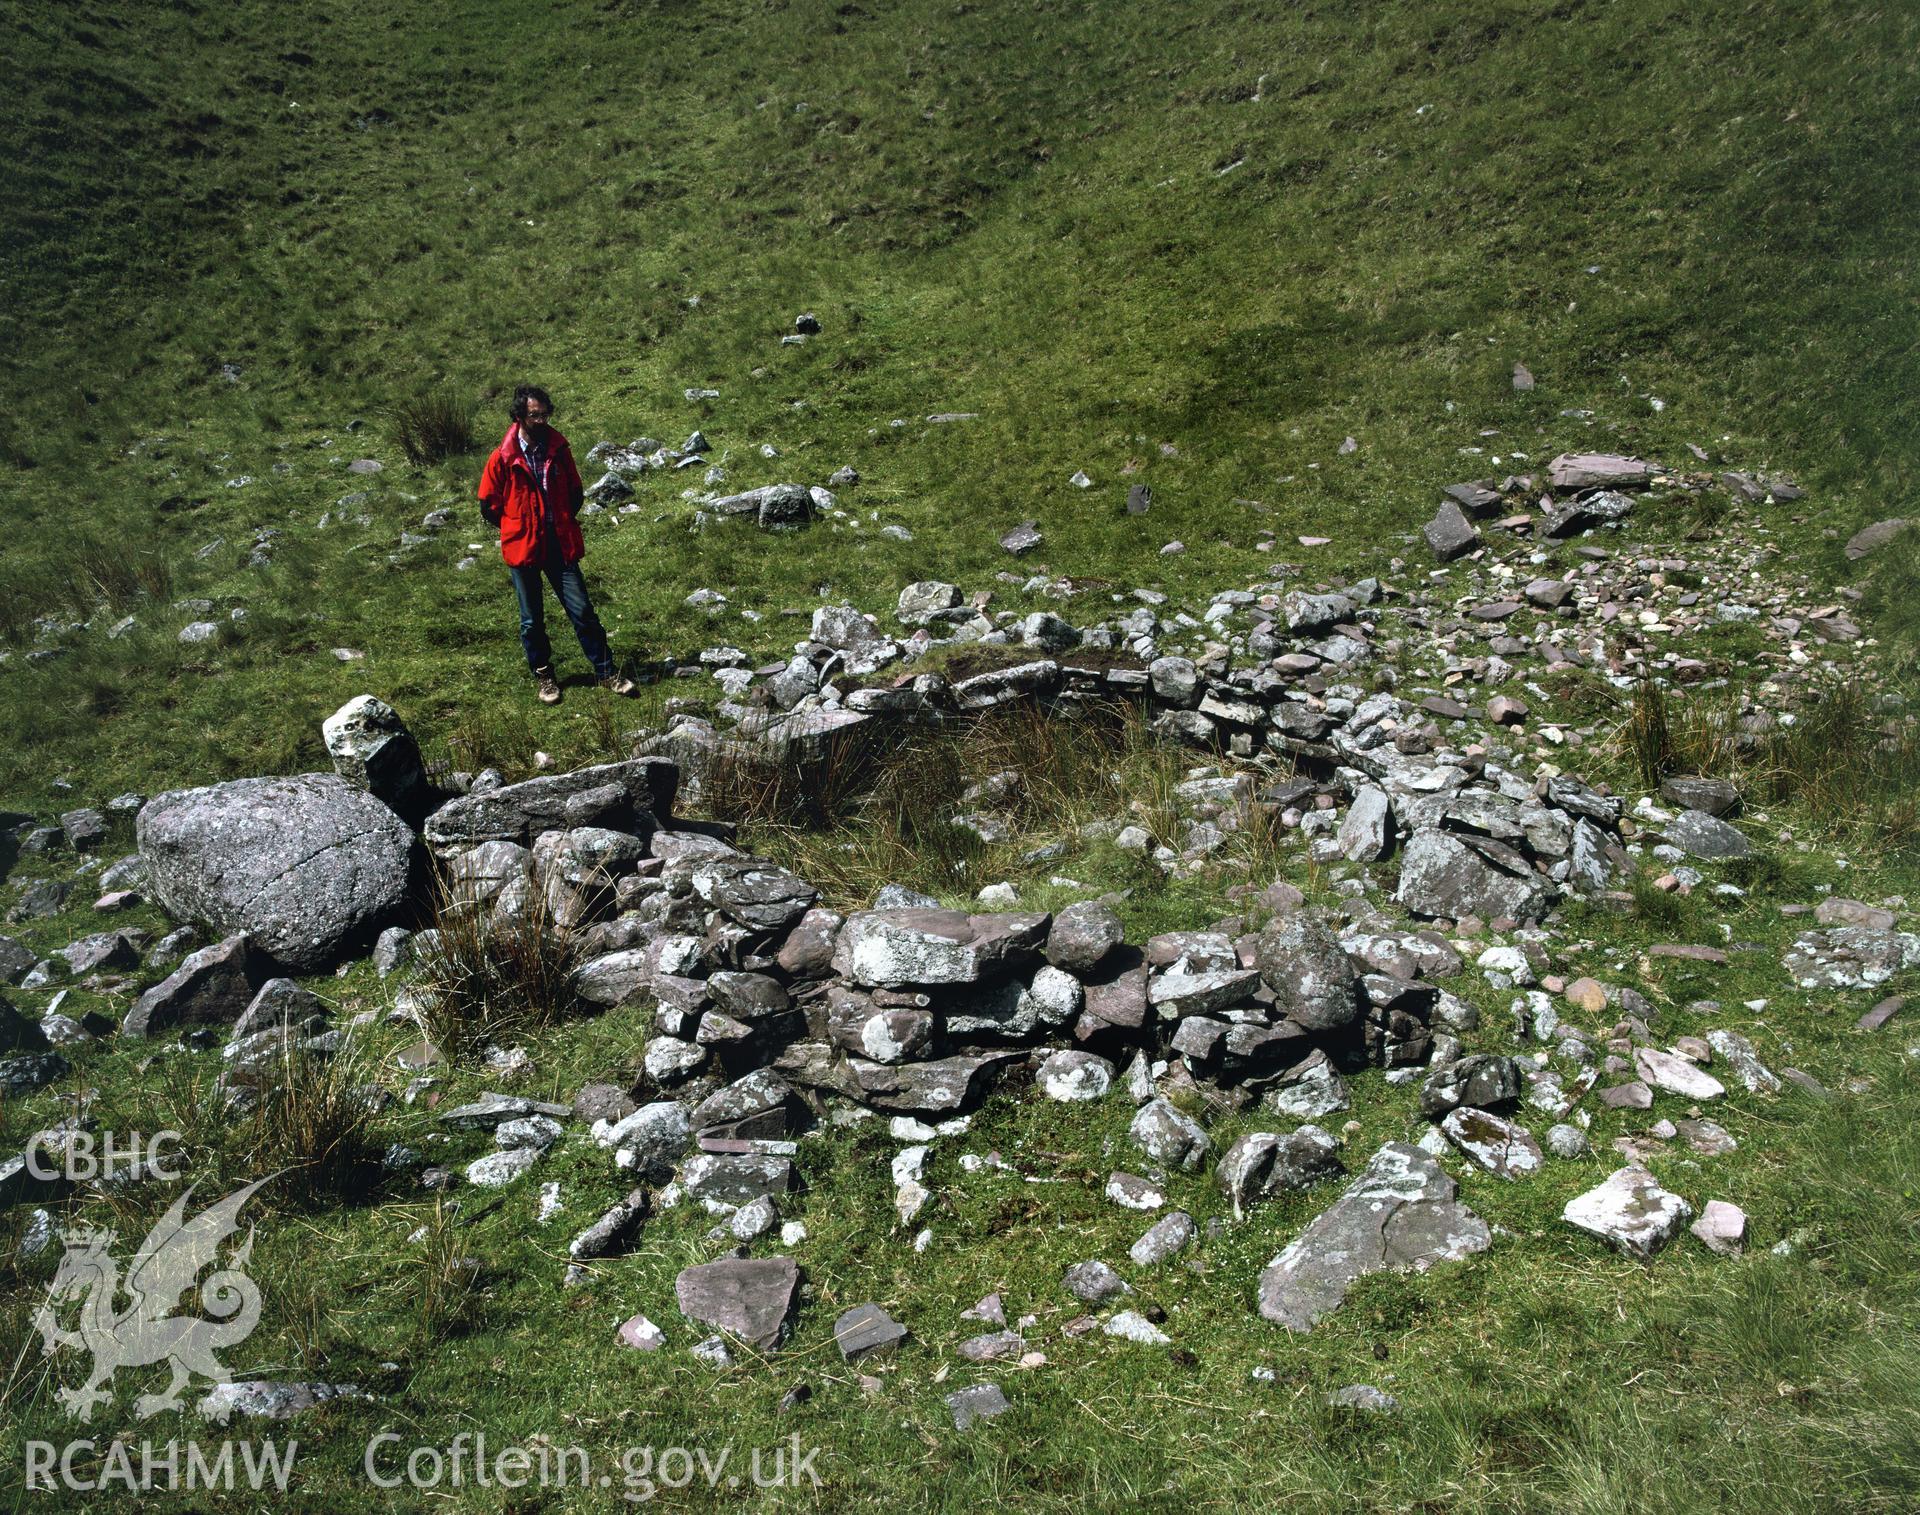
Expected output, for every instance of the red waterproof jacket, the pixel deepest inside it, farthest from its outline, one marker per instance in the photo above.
(512, 499)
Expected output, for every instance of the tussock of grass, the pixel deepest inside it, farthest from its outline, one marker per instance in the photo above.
(1646, 734)
(481, 981)
(445, 1279)
(1851, 762)
(312, 1126)
(432, 426)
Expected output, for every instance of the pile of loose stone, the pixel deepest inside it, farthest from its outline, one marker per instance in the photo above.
(770, 1013)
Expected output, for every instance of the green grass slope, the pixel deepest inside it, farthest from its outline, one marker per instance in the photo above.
(1205, 242)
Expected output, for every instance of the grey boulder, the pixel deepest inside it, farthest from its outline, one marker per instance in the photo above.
(1705, 836)
(1441, 875)
(307, 866)
(1307, 969)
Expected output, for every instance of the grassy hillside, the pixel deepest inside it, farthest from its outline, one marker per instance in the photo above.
(1206, 243)
(1191, 246)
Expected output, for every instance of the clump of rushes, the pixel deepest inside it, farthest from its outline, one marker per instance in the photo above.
(312, 1126)
(433, 425)
(482, 977)
(1647, 734)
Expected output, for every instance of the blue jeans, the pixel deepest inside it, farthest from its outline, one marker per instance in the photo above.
(572, 589)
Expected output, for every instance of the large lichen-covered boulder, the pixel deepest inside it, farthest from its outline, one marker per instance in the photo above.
(308, 866)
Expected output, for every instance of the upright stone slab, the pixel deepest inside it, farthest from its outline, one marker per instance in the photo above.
(372, 749)
(213, 986)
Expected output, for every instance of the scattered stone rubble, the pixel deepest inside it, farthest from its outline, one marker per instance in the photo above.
(769, 1011)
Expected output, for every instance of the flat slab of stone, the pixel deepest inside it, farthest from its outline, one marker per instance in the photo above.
(265, 1399)
(893, 948)
(1584, 470)
(1880, 1014)
(753, 892)
(492, 1110)
(1400, 1213)
(945, 1086)
(520, 812)
(1873, 538)
(1630, 1212)
(1706, 836)
(1493, 1143)
(308, 866)
(1850, 957)
(1669, 1071)
(975, 1403)
(749, 1297)
(1001, 686)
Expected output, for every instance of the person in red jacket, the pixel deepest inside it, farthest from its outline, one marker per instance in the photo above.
(531, 490)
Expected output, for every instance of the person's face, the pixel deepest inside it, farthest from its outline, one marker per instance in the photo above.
(535, 420)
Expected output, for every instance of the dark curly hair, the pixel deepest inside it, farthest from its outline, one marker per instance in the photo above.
(518, 409)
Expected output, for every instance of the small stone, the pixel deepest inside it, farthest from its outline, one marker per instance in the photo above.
(1093, 1282)
(498, 1169)
(1172, 1234)
(1664, 1070)
(1628, 1096)
(713, 1352)
(1167, 1136)
(1722, 1228)
(975, 1403)
(1132, 1192)
(867, 1331)
(1131, 1325)
(642, 1334)
(992, 1346)
(1075, 1077)
(1569, 1142)
(1364, 1396)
